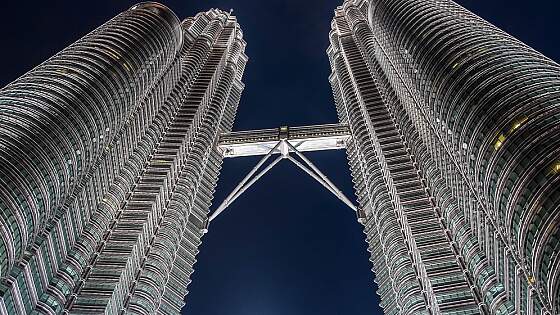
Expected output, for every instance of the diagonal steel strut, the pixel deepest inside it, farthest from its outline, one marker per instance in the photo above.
(283, 147)
(232, 196)
(318, 178)
(325, 180)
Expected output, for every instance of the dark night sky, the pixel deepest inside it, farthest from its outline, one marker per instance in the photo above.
(287, 246)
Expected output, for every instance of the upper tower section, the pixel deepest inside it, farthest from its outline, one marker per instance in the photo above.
(167, 14)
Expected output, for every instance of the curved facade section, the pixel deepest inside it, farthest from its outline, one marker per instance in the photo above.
(478, 111)
(58, 119)
(497, 102)
(164, 12)
(114, 139)
(406, 221)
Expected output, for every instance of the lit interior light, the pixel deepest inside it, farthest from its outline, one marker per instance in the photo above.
(518, 123)
(514, 126)
(556, 167)
(112, 54)
(498, 144)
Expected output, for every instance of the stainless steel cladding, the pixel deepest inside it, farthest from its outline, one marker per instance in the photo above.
(109, 163)
(455, 155)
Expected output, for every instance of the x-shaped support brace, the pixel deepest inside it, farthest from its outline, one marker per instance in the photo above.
(284, 147)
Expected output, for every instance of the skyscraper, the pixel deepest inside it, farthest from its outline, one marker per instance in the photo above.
(109, 160)
(455, 157)
(110, 152)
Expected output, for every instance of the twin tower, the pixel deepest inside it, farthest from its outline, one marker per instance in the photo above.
(111, 149)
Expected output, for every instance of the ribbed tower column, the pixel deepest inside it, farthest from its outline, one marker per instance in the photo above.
(58, 119)
(477, 113)
(123, 237)
(488, 106)
(406, 217)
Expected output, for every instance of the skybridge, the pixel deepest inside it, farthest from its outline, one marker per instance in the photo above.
(284, 143)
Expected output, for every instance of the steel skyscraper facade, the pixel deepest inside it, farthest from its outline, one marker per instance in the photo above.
(109, 161)
(110, 152)
(455, 157)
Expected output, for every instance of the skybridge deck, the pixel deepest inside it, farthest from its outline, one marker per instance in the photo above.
(306, 138)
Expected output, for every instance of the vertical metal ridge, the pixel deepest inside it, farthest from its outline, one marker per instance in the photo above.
(476, 110)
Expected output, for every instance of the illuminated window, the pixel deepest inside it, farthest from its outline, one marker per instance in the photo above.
(498, 144)
(514, 126)
(518, 123)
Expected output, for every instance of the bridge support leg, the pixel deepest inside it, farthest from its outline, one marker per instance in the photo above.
(284, 148)
(241, 187)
